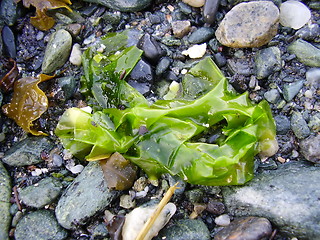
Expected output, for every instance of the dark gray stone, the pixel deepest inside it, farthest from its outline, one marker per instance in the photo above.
(124, 5)
(151, 48)
(283, 124)
(310, 148)
(57, 51)
(310, 32)
(305, 52)
(84, 197)
(194, 195)
(5, 195)
(209, 11)
(42, 193)
(240, 66)
(288, 197)
(163, 65)
(291, 90)
(68, 85)
(185, 229)
(272, 96)
(267, 61)
(9, 44)
(299, 126)
(248, 228)
(27, 151)
(9, 11)
(39, 225)
(201, 35)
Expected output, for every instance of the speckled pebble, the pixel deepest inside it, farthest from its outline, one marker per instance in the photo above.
(299, 125)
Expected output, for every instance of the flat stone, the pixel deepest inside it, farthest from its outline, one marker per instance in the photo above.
(310, 148)
(282, 123)
(305, 52)
(39, 225)
(84, 197)
(287, 197)
(180, 28)
(185, 229)
(9, 11)
(27, 151)
(291, 90)
(267, 61)
(123, 5)
(201, 35)
(248, 228)
(294, 14)
(5, 195)
(299, 126)
(57, 51)
(272, 96)
(42, 193)
(251, 24)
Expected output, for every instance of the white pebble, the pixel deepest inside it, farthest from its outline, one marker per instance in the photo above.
(294, 14)
(75, 56)
(222, 220)
(194, 3)
(196, 51)
(308, 94)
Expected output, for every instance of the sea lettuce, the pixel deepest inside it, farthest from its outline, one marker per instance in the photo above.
(166, 136)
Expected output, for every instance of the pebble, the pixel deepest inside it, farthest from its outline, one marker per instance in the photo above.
(240, 66)
(267, 61)
(127, 202)
(57, 51)
(136, 219)
(9, 11)
(163, 65)
(293, 205)
(196, 51)
(151, 48)
(76, 204)
(222, 220)
(294, 14)
(220, 59)
(27, 152)
(5, 196)
(194, 195)
(248, 228)
(140, 184)
(185, 229)
(68, 87)
(305, 52)
(42, 193)
(215, 207)
(75, 55)
(39, 225)
(313, 77)
(282, 124)
(194, 3)
(180, 28)
(249, 25)
(310, 32)
(74, 29)
(291, 90)
(123, 5)
(9, 42)
(272, 96)
(314, 122)
(310, 148)
(209, 11)
(201, 35)
(299, 126)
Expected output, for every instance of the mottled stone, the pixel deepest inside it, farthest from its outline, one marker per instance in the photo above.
(251, 24)
(39, 225)
(305, 52)
(57, 51)
(123, 5)
(267, 61)
(248, 228)
(291, 90)
(27, 151)
(5, 195)
(288, 197)
(180, 28)
(299, 126)
(84, 197)
(310, 148)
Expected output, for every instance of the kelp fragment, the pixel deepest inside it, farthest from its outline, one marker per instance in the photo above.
(28, 103)
(119, 172)
(42, 21)
(6, 83)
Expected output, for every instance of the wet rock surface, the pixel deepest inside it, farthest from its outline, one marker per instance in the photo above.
(46, 189)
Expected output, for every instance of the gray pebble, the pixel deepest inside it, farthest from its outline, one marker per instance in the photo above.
(283, 124)
(299, 126)
(291, 90)
(5, 195)
(9, 11)
(123, 5)
(220, 59)
(39, 225)
(201, 35)
(305, 52)
(272, 96)
(68, 86)
(267, 61)
(151, 48)
(27, 151)
(293, 205)
(310, 32)
(194, 195)
(314, 122)
(313, 77)
(42, 193)
(163, 65)
(57, 51)
(240, 66)
(310, 148)
(209, 10)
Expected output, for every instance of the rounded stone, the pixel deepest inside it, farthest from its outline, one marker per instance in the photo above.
(39, 225)
(123, 5)
(310, 148)
(194, 3)
(299, 126)
(57, 51)
(267, 61)
(201, 35)
(251, 24)
(305, 52)
(294, 14)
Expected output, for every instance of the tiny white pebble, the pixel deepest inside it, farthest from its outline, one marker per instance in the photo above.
(75, 56)
(222, 220)
(196, 51)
